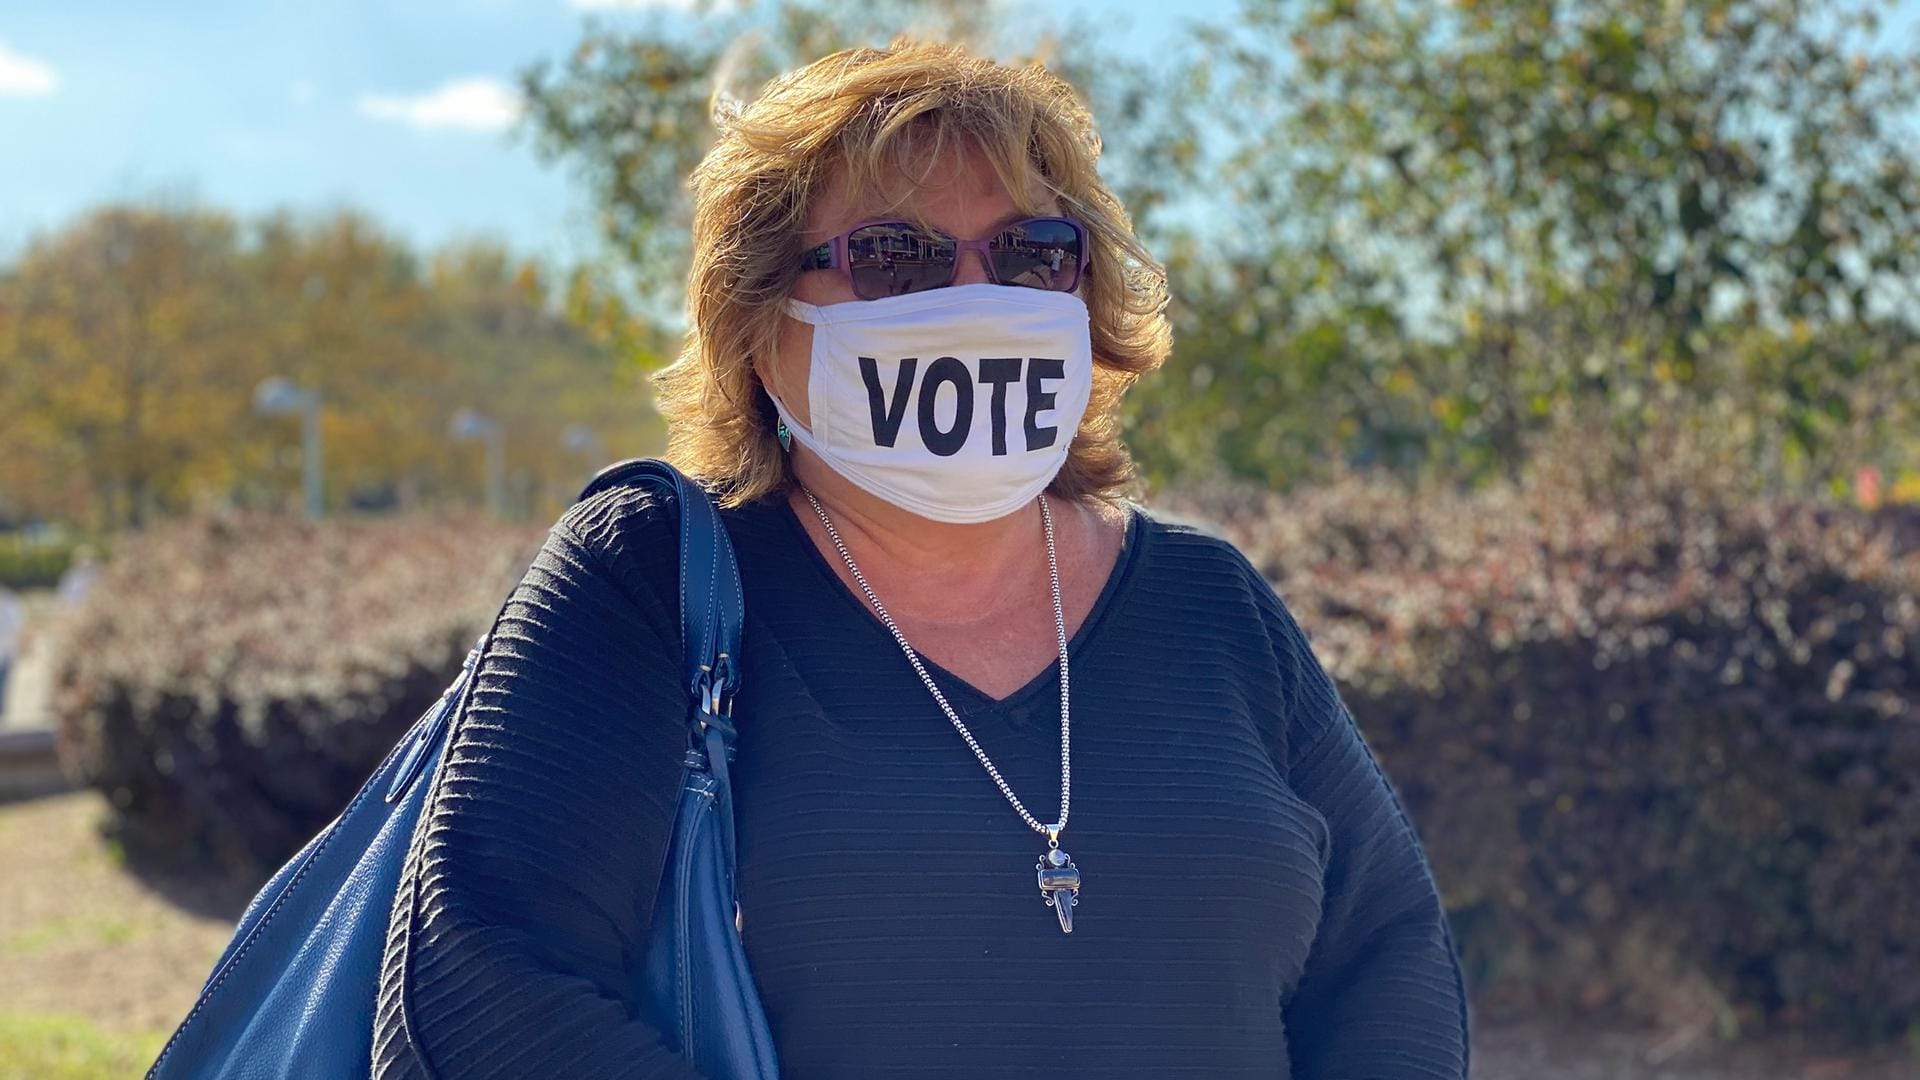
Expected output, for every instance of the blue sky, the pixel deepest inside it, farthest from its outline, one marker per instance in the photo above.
(392, 107)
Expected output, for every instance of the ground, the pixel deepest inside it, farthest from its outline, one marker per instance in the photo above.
(98, 963)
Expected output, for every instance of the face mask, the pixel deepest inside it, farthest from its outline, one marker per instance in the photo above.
(955, 403)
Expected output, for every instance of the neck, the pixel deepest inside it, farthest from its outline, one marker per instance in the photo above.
(916, 564)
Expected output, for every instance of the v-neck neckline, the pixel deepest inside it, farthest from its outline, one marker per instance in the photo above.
(978, 700)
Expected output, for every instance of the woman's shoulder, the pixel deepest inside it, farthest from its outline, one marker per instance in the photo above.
(1198, 548)
(1194, 556)
(632, 533)
(1201, 558)
(619, 516)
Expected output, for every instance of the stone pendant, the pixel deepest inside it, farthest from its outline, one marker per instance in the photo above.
(1060, 885)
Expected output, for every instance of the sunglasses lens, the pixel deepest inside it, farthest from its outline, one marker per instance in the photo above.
(1043, 253)
(896, 258)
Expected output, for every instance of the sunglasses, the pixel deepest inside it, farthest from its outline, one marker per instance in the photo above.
(889, 258)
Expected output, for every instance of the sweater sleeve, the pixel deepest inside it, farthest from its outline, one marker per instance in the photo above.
(1382, 996)
(525, 902)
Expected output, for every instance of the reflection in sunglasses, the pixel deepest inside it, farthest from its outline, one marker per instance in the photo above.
(892, 258)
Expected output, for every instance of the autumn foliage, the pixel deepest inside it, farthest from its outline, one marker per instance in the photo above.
(132, 341)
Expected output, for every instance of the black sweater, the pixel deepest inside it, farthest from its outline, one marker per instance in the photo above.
(1255, 901)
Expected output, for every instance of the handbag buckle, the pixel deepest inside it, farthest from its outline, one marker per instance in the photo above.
(713, 691)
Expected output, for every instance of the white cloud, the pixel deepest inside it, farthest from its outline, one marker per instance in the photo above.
(478, 104)
(23, 76)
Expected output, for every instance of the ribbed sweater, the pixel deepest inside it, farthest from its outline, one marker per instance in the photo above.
(1255, 901)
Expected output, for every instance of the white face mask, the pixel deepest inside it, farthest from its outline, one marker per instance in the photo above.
(955, 403)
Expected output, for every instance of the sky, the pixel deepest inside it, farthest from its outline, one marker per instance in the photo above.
(400, 108)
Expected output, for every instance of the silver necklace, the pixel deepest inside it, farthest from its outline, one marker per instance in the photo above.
(1059, 877)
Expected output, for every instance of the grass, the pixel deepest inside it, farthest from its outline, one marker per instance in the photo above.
(103, 931)
(63, 1046)
(97, 965)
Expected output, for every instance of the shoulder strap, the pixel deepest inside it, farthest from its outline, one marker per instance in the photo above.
(711, 607)
(711, 611)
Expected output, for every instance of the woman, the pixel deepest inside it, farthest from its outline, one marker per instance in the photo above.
(953, 618)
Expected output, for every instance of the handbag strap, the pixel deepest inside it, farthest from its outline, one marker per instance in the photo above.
(711, 612)
(712, 609)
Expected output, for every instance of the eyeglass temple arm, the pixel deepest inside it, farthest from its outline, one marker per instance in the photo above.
(820, 258)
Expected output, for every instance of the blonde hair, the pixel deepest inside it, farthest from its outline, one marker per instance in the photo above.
(864, 116)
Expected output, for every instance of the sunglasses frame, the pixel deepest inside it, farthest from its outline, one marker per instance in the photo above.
(832, 254)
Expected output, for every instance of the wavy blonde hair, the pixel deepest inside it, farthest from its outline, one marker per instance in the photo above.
(866, 116)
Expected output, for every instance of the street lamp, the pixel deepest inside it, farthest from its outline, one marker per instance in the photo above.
(580, 439)
(470, 424)
(584, 441)
(277, 395)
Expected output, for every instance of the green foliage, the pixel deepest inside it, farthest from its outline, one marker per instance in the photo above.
(1413, 235)
(35, 563)
(1400, 234)
(632, 109)
(1454, 225)
(1662, 742)
(229, 682)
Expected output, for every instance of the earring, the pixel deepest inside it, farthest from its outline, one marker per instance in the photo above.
(786, 437)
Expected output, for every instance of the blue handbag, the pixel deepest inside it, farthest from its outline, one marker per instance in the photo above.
(294, 992)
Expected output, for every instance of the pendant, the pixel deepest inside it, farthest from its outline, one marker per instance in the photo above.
(1060, 885)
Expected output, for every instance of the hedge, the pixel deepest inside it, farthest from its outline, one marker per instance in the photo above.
(1662, 746)
(229, 682)
(1662, 742)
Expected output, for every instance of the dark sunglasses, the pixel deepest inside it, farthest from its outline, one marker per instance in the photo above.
(889, 258)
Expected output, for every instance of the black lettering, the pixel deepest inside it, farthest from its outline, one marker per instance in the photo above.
(1041, 368)
(946, 370)
(887, 417)
(998, 372)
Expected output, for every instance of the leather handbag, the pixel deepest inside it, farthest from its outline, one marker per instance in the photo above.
(293, 994)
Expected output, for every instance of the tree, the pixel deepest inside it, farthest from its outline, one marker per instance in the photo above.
(1481, 216)
(631, 110)
(539, 358)
(121, 338)
(132, 340)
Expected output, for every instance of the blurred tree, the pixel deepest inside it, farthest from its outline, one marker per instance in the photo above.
(1457, 223)
(538, 360)
(338, 304)
(121, 346)
(131, 342)
(631, 109)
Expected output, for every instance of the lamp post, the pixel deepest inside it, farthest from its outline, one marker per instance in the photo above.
(581, 440)
(278, 395)
(470, 424)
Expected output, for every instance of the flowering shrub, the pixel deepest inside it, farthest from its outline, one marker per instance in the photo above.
(1662, 746)
(230, 682)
